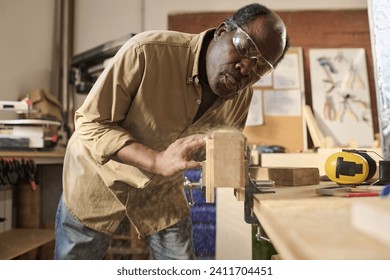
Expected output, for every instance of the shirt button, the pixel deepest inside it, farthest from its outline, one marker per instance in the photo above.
(198, 101)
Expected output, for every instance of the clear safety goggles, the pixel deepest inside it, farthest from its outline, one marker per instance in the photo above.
(247, 48)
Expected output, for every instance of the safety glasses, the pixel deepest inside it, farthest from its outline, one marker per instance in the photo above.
(247, 48)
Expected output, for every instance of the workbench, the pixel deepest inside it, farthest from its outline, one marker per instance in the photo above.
(305, 226)
(16, 242)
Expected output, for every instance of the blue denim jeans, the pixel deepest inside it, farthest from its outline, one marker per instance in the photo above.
(173, 243)
(74, 241)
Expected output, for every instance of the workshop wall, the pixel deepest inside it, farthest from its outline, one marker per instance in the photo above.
(155, 14)
(99, 21)
(28, 42)
(26, 46)
(28, 39)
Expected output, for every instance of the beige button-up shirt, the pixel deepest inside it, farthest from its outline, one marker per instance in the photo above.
(149, 94)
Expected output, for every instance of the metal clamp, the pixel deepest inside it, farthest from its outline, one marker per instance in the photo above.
(261, 234)
(190, 186)
(256, 187)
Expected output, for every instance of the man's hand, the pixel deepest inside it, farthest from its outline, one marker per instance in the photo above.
(176, 158)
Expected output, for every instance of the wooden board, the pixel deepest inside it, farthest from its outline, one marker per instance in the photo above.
(287, 176)
(292, 176)
(303, 225)
(16, 242)
(372, 218)
(225, 165)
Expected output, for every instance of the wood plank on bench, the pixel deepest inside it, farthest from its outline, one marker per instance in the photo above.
(18, 241)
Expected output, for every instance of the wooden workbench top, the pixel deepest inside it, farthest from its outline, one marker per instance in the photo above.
(16, 242)
(304, 225)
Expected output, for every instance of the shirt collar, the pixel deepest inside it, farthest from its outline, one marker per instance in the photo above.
(196, 46)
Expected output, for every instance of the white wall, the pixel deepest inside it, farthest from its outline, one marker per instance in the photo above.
(26, 46)
(99, 21)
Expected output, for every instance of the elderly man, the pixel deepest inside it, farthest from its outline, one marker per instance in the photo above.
(139, 127)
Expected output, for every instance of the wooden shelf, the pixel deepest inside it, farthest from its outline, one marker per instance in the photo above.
(16, 242)
(55, 156)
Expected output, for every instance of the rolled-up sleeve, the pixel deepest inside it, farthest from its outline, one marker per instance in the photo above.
(97, 122)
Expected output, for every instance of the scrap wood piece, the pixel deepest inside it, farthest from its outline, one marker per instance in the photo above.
(225, 162)
(371, 217)
(287, 176)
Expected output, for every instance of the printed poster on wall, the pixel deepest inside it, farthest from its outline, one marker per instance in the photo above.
(255, 113)
(280, 92)
(340, 94)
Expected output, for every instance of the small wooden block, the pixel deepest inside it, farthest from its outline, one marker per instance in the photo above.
(287, 176)
(225, 165)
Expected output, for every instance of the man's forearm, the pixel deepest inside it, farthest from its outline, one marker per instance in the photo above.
(139, 155)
